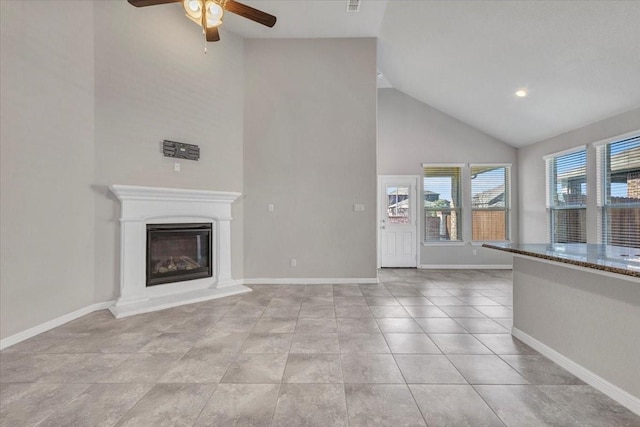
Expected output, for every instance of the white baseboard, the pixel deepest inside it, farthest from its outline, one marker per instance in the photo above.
(46, 326)
(616, 393)
(466, 266)
(309, 281)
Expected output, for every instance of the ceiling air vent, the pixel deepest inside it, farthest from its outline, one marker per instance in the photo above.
(353, 5)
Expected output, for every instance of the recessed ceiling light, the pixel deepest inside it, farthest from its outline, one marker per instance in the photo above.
(521, 93)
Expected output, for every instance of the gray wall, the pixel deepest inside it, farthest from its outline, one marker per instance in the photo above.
(46, 161)
(411, 133)
(310, 150)
(533, 214)
(154, 84)
(592, 319)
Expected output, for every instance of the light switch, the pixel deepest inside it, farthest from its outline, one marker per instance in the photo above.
(270, 207)
(358, 207)
(176, 167)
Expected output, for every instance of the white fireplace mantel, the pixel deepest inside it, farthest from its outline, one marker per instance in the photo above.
(152, 205)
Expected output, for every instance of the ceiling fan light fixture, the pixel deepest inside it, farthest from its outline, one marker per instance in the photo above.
(214, 14)
(193, 9)
(194, 5)
(214, 10)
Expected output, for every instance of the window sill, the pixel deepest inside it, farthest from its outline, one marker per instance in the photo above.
(445, 243)
(482, 242)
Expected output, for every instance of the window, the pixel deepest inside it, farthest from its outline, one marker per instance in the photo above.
(442, 203)
(490, 203)
(619, 192)
(398, 211)
(567, 197)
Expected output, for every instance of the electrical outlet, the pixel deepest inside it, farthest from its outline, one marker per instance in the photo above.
(358, 207)
(176, 167)
(294, 262)
(475, 252)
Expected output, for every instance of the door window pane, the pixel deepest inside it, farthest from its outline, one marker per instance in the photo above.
(398, 205)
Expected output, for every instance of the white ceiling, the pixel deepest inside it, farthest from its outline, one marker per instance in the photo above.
(311, 19)
(579, 60)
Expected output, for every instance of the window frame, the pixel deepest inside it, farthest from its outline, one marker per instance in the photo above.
(551, 187)
(459, 210)
(507, 203)
(603, 154)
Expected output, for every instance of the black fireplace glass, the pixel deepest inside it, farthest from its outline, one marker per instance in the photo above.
(178, 252)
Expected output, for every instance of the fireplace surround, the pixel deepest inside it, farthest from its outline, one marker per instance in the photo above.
(166, 211)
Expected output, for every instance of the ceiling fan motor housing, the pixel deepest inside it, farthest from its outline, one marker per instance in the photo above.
(212, 11)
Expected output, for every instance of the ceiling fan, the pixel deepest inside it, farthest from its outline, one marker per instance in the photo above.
(208, 13)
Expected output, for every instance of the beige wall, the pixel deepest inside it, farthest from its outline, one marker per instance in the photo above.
(154, 82)
(411, 133)
(310, 150)
(47, 159)
(533, 214)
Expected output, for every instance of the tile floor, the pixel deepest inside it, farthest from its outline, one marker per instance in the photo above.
(422, 348)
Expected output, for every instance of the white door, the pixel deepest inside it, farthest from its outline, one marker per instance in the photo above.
(398, 221)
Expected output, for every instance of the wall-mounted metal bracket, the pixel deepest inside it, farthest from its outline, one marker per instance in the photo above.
(180, 150)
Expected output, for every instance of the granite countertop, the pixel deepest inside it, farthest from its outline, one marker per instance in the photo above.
(614, 259)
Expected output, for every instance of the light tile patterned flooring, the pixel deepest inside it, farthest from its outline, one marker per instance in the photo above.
(422, 348)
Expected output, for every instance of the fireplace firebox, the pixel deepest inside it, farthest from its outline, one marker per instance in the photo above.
(178, 252)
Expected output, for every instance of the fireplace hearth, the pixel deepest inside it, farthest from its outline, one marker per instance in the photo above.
(178, 252)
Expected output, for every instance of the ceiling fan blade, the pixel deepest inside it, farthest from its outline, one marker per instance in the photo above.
(250, 13)
(212, 34)
(142, 3)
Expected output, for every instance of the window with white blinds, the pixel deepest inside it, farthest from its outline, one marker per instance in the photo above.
(442, 203)
(490, 203)
(567, 197)
(619, 192)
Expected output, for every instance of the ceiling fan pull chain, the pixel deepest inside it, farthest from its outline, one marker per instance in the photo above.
(203, 8)
(205, 40)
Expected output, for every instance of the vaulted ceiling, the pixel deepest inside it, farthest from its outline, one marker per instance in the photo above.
(579, 60)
